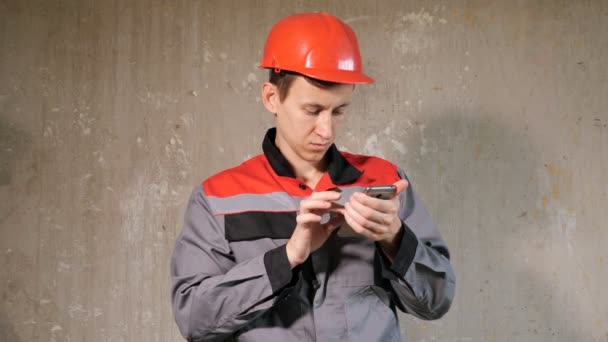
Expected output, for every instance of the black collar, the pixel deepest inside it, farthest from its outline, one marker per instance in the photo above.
(339, 169)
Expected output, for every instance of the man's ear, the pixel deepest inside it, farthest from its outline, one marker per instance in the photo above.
(270, 97)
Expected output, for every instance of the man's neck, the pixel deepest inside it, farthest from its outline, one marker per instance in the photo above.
(309, 173)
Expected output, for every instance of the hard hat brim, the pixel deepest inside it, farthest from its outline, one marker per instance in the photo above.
(336, 76)
(339, 76)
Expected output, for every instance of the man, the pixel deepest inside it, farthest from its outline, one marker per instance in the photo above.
(286, 247)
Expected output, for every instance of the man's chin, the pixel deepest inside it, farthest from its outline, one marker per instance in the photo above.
(314, 156)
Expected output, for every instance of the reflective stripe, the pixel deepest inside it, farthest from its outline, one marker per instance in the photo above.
(273, 202)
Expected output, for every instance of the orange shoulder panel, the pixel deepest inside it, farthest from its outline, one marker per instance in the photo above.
(376, 171)
(254, 176)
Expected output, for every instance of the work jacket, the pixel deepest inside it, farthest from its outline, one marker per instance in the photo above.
(231, 279)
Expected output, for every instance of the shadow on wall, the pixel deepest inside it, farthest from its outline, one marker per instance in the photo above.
(485, 190)
(13, 141)
(7, 333)
(15, 301)
(26, 315)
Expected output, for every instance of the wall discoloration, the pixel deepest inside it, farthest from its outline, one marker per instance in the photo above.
(13, 143)
(413, 33)
(110, 112)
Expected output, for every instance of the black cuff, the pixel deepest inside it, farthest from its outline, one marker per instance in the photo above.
(406, 252)
(278, 268)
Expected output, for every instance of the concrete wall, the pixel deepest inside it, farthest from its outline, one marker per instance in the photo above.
(111, 111)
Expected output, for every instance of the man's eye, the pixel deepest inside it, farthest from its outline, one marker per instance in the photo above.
(338, 113)
(313, 111)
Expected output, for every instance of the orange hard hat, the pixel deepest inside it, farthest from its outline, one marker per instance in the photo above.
(316, 45)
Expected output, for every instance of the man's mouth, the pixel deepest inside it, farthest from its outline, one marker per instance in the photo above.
(320, 146)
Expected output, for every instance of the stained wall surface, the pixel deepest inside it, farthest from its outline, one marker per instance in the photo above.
(112, 111)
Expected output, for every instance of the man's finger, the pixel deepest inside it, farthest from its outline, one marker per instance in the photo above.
(355, 226)
(308, 218)
(361, 222)
(326, 195)
(334, 222)
(368, 212)
(314, 204)
(377, 204)
(401, 185)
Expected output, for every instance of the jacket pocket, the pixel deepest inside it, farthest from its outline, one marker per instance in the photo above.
(369, 316)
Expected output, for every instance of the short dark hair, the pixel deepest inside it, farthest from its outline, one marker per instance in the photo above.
(283, 80)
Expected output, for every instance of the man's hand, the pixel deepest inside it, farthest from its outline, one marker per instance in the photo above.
(377, 219)
(309, 233)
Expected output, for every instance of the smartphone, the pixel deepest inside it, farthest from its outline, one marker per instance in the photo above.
(380, 191)
(377, 191)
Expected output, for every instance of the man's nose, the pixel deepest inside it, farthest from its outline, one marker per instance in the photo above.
(325, 126)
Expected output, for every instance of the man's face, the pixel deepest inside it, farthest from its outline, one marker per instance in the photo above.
(308, 118)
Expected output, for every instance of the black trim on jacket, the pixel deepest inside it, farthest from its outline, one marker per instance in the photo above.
(339, 169)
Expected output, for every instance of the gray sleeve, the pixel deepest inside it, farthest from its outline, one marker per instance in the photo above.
(212, 295)
(421, 274)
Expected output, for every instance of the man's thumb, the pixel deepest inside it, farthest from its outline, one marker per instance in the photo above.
(401, 185)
